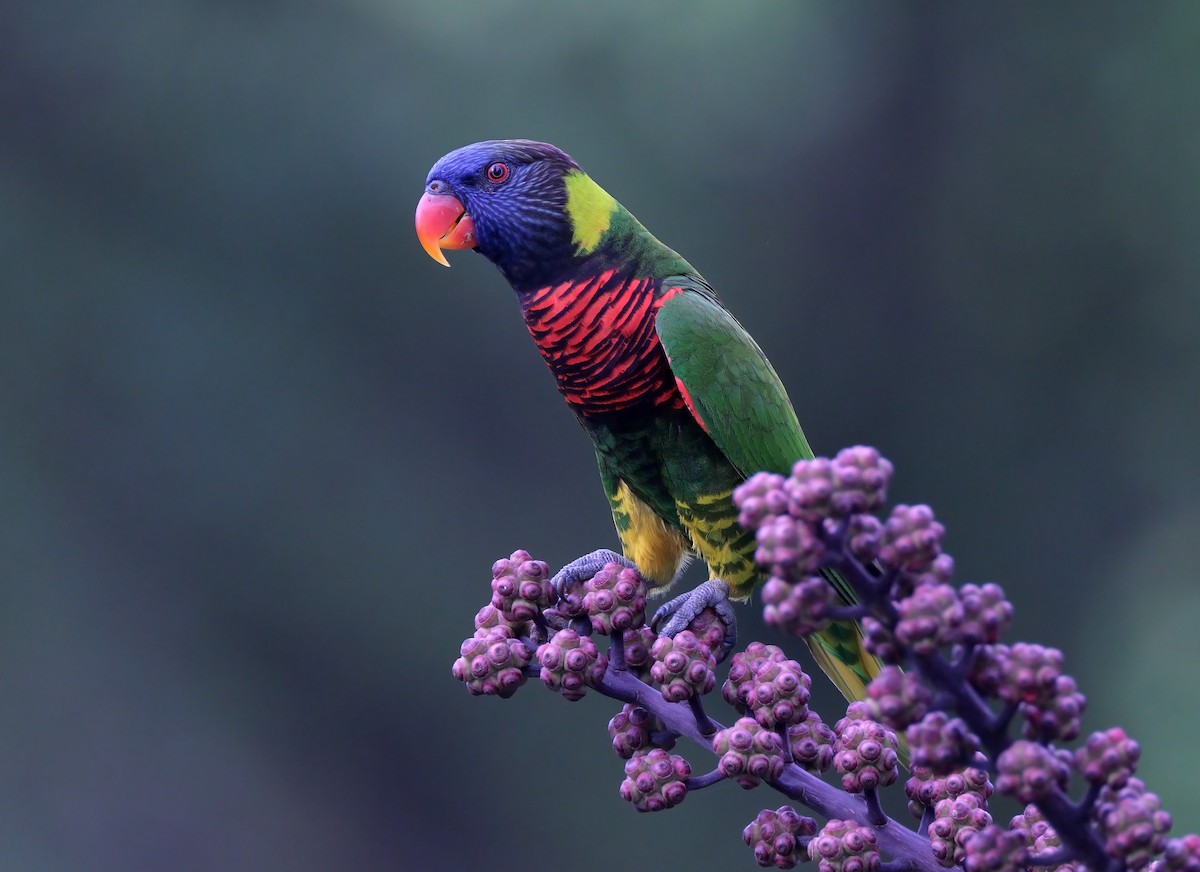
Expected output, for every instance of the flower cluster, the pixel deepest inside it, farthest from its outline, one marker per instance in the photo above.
(844, 846)
(811, 742)
(571, 662)
(634, 728)
(492, 662)
(926, 790)
(749, 753)
(777, 836)
(955, 823)
(896, 698)
(865, 754)
(520, 587)
(615, 600)
(874, 595)
(655, 780)
(941, 743)
(683, 665)
(766, 685)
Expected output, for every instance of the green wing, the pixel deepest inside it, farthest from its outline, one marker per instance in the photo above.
(729, 384)
(733, 391)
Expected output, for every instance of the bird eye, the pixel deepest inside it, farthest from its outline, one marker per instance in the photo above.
(497, 172)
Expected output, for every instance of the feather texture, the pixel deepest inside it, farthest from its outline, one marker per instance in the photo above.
(679, 401)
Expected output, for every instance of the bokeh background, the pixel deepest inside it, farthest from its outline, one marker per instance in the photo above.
(258, 452)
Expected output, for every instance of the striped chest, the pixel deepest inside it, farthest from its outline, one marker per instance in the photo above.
(597, 336)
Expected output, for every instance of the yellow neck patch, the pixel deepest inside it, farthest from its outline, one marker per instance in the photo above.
(590, 209)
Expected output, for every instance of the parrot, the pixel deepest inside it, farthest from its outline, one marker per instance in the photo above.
(680, 403)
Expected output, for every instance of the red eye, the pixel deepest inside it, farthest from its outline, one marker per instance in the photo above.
(497, 172)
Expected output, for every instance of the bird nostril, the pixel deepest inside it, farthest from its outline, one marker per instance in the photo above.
(435, 186)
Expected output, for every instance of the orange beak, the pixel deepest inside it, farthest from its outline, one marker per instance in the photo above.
(442, 222)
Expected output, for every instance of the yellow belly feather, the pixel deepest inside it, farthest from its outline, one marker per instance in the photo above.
(661, 551)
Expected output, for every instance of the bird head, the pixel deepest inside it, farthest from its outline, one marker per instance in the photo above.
(524, 205)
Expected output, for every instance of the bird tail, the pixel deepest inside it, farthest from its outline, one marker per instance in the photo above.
(842, 655)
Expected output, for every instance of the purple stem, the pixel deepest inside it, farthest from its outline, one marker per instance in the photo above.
(1072, 828)
(782, 732)
(1084, 808)
(874, 810)
(616, 650)
(978, 715)
(1052, 858)
(926, 820)
(1079, 840)
(872, 590)
(1077, 837)
(909, 848)
(706, 725)
(846, 613)
(697, 782)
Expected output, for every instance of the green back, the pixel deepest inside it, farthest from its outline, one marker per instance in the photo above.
(731, 386)
(734, 392)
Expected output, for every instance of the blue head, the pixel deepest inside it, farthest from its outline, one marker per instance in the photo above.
(507, 199)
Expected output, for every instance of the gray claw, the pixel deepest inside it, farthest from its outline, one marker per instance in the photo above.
(682, 610)
(583, 568)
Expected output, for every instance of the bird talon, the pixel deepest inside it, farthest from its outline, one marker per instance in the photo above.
(583, 568)
(683, 609)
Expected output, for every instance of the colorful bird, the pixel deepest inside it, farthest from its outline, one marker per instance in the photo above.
(679, 401)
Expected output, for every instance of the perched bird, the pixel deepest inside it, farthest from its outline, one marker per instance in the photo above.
(678, 399)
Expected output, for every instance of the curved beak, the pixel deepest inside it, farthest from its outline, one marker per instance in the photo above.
(442, 222)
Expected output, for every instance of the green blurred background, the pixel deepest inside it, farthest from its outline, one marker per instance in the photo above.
(258, 452)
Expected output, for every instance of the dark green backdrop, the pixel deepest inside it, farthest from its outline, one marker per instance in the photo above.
(258, 452)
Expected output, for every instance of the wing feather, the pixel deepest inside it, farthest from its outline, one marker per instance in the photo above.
(731, 387)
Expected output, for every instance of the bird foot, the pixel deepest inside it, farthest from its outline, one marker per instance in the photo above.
(583, 568)
(683, 609)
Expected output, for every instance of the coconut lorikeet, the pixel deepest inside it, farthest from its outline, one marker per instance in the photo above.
(678, 399)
